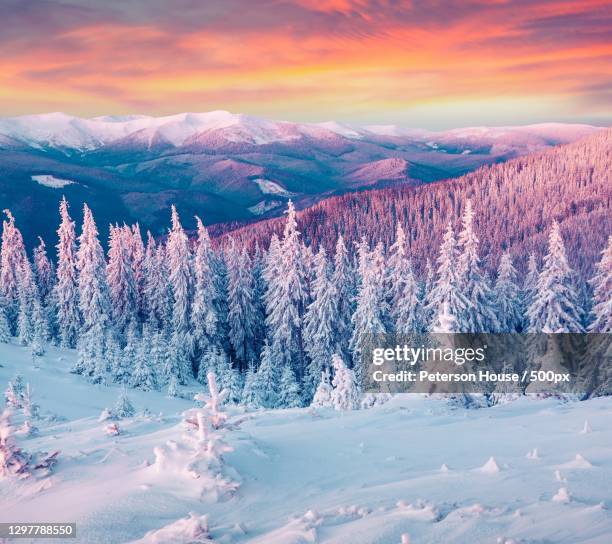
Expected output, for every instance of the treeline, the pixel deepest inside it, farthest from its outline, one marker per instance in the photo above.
(516, 203)
(159, 313)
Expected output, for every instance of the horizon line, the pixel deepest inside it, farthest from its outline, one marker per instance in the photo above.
(350, 124)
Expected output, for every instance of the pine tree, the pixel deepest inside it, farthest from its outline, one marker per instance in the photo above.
(472, 281)
(445, 296)
(123, 407)
(323, 397)
(555, 307)
(13, 395)
(114, 357)
(158, 356)
(402, 289)
(94, 301)
(28, 299)
(228, 377)
(179, 357)
(31, 410)
(259, 308)
(32, 320)
(128, 355)
(320, 324)
(445, 322)
(40, 332)
(143, 376)
(137, 256)
(5, 329)
(271, 267)
(157, 295)
(173, 387)
(208, 363)
(220, 298)
(286, 298)
(249, 396)
(289, 390)
(371, 313)
(508, 297)
(602, 292)
(179, 269)
(241, 317)
(530, 285)
(343, 279)
(427, 292)
(43, 271)
(266, 380)
(235, 385)
(65, 293)
(178, 259)
(204, 318)
(121, 280)
(346, 394)
(12, 257)
(148, 266)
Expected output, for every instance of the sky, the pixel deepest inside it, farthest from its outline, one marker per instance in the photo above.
(415, 63)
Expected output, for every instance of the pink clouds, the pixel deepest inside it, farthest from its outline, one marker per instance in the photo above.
(310, 58)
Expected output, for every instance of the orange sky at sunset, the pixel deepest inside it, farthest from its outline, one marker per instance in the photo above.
(414, 63)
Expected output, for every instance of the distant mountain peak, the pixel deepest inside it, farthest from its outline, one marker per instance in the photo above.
(62, 131)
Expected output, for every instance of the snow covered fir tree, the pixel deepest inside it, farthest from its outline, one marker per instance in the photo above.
(279, 325)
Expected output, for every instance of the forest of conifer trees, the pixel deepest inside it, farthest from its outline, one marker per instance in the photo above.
(515, 204)
(274, 325)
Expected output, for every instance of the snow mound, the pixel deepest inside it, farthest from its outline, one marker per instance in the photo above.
(48, 180)
(299, 530)
(490, 467)
(420, 511)
(190, 530)
(586, 429)
(562, 496)
(475, 510)
(579, 462)
(533, 454)
(352, 512)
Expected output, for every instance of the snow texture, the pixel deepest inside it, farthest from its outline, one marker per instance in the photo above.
(332, 477)
(48, 180)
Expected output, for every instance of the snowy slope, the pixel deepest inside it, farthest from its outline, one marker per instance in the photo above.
(362, 477)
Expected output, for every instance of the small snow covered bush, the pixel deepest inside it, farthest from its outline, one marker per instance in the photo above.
(346, 394)
(16, 462)
(13, 461)
(124, 407)
(324, 393)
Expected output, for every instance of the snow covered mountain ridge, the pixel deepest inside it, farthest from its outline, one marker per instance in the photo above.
(61, 131)
(229, 167)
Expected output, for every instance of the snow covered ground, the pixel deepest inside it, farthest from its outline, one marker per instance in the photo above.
(360, 477)
(48, 180)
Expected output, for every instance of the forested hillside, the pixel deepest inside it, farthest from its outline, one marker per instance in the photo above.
(515, 204)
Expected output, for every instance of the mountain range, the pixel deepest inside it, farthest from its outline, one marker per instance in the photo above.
(228, 167)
